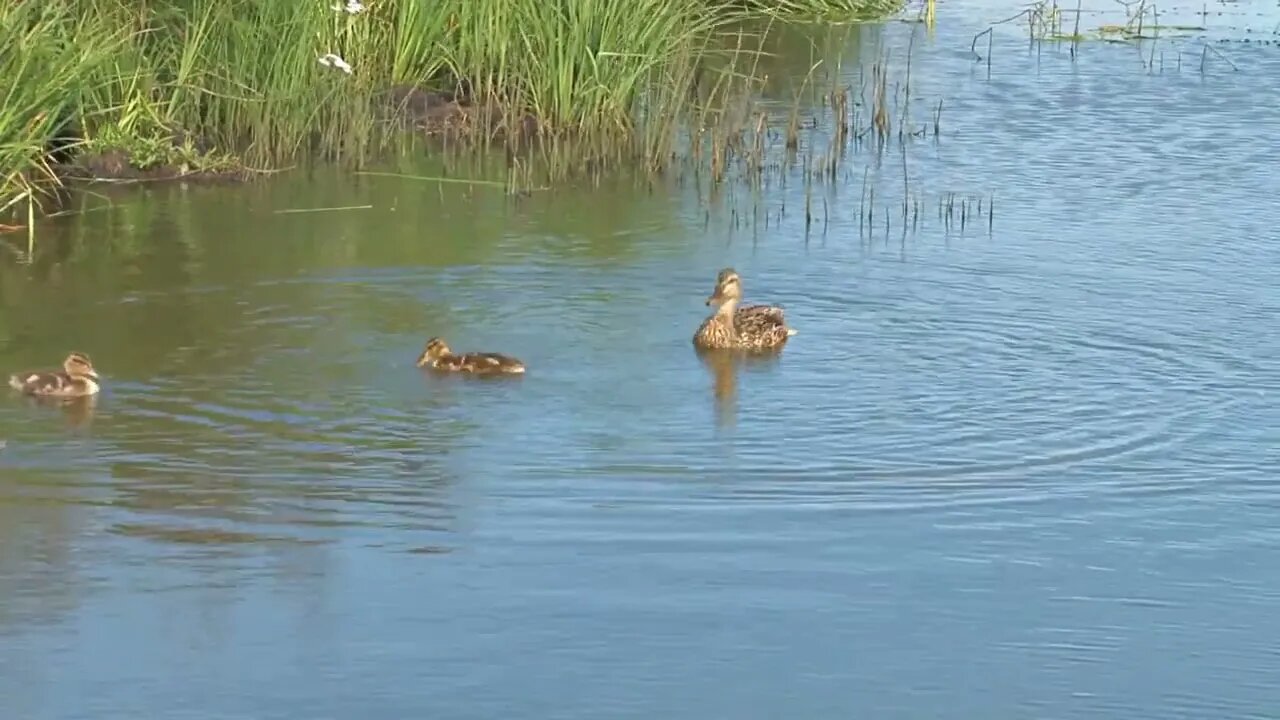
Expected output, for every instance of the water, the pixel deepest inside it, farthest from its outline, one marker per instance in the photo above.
(1023, 471)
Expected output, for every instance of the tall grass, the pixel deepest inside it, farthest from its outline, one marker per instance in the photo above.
(586, 62)
(244, 76)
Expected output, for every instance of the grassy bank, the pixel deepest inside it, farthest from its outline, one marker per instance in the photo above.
(179, 87)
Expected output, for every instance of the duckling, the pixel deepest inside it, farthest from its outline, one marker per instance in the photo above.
(76, 379)
(754, 327)
(437, 356)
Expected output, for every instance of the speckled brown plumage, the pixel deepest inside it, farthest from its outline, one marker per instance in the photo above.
(437, 356)
(77, 378)
(754, 327)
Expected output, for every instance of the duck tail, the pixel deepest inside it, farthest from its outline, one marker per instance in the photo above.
(791, 331)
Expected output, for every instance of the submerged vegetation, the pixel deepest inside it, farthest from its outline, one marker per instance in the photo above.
(174, 88)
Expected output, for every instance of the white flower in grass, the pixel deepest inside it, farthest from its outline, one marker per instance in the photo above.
(352, 7)
(332, 60)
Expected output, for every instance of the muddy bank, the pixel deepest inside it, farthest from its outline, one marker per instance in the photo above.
(430, 112)
(172, 155)
(179, 156)
(117, 166)
(454, 115)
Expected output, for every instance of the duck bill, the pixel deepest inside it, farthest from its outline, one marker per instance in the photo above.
(717, 298)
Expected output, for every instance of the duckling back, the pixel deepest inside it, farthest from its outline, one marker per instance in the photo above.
(489, 364)
(438, 356)
(53, 384)
(77, 378)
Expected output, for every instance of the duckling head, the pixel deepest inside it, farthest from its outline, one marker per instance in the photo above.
(728, 288)
(78, 364)
(435, 349)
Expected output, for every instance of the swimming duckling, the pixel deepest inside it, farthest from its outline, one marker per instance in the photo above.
(437, 356)
(754, 327)
(77, 378)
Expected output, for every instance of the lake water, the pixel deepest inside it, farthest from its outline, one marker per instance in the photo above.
(1030, 469)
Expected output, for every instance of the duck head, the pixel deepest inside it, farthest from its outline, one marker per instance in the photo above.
(434, 350)
(728, 288)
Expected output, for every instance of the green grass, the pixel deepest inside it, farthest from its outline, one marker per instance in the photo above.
(43, 71)
(242, 77)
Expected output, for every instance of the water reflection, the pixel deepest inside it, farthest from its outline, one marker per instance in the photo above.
(41, 567)
(77, 412)
(724, 366)
(724, 383)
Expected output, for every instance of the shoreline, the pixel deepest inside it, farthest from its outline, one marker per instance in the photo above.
(112, 86)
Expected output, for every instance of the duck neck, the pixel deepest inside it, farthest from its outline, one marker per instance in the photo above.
(725, 313)
(88, 381)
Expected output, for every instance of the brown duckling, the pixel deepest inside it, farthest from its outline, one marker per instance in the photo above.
(77, 378)
(754, 327)
(437, 356)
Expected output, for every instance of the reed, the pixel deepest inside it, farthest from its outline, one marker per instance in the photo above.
(43, 73)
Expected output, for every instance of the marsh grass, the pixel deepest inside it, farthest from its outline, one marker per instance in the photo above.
(834, 129)
(838, 129)
(823, 125)
(582, 64)
(44, 71)
(243, 77)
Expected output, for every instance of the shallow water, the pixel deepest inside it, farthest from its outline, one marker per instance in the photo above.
(1024, 470)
